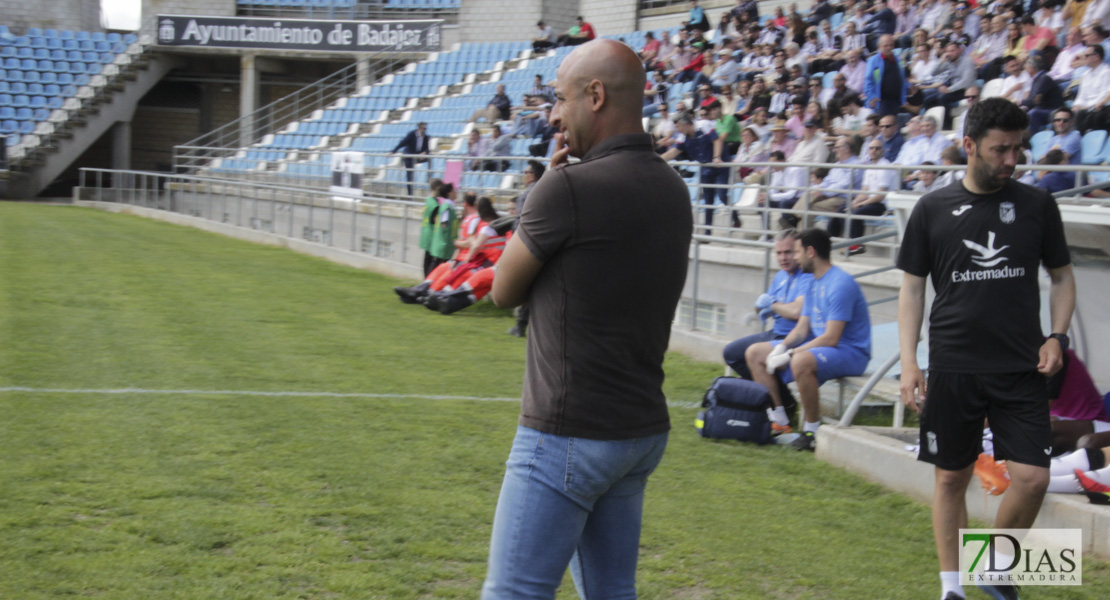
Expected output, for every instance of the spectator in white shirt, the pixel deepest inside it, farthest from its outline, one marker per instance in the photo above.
(1092, 103)
(777, 194)
(852, 117)
(1015, 85)
(1066, 60)
(871, 199)
(1098, 11)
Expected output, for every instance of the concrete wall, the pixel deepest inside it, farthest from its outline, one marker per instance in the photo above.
(215, 8)
(611, 16)
(75, 15)
(498, 20)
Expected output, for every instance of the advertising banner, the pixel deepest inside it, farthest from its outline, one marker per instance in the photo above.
(299, 34)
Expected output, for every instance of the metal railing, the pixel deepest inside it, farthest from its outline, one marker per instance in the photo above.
(379, 226)
(229, 139)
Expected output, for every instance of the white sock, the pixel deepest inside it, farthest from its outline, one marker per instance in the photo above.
(778, 415)
(1002, 559)
(950, 582)
(1068, 463)
(811, 427)
(1064, 484)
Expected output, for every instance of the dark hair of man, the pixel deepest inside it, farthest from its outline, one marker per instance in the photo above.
(994, 113)
(422, 124)
(537, 168)
(1008, 59)
(539, 24)
(1028, 20)
(445, 190)
(1053, 157)
(788, 234)
(874, 118)
(486, 211)
(470, 198)
(778, 155)
(821, 172)
(1099, 50)
(819, 240)
(434, 183)
(1063, 109)
(684, 120)
(952, 154)
(1099, 30)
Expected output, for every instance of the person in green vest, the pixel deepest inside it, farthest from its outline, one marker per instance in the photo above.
(728, 128)
(427, 226)
(444, 226)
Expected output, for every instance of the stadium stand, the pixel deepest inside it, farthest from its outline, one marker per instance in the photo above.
(48, 73)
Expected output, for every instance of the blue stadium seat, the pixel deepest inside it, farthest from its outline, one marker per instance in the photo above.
(18, 87)
(1039, 143)
(50, 33)
(1091, 146)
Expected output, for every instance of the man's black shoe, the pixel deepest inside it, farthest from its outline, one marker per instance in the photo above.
(451, 303)
(433, 301)
(414, 294)
(806, 441)
(1001, 592)
(516, 331)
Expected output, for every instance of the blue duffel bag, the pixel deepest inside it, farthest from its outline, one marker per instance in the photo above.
(735, 409)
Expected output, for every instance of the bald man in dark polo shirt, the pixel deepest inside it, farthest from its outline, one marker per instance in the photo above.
(600, 257)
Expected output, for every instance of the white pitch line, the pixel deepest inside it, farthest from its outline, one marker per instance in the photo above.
(141, 392)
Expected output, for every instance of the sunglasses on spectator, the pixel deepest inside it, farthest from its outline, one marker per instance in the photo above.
(886, 126)
(1063, 120)
(971, 97)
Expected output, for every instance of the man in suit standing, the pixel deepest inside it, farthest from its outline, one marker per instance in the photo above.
(415, 142)
(1044, 95)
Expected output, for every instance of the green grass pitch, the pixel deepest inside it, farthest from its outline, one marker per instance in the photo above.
(219, 496)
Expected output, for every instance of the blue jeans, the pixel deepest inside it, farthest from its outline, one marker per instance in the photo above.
(570, 501)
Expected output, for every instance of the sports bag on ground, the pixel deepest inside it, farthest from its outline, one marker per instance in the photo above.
(735, 409)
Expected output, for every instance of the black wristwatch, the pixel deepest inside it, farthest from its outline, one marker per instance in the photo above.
(1062, 338)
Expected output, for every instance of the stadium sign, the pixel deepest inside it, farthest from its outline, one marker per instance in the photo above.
(299, 34)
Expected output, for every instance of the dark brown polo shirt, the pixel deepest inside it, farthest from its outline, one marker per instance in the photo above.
(613, 232)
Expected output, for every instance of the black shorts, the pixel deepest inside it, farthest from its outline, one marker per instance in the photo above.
(1016, 404)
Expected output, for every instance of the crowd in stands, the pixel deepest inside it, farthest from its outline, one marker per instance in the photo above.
(822, 86)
